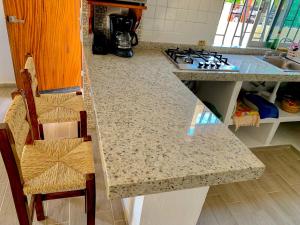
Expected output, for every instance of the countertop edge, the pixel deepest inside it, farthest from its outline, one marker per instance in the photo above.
(187, 183)
(235, 76)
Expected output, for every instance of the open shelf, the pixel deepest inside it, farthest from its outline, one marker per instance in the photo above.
(283, 117)
(272, 131)
(287, 117)
(117, 5)
(243, 135)
(254, 136)
(262, 121)
(287, 134)
(134, 9)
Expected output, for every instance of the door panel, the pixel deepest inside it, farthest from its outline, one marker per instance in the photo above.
(51, 33)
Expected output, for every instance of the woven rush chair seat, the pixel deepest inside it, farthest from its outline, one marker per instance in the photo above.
(56, 108)
(55, 166)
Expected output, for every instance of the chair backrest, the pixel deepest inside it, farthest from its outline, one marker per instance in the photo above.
(30, 103)
(30, 66)
(14, 133)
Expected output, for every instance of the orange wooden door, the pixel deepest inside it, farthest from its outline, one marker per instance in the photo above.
(51, 33)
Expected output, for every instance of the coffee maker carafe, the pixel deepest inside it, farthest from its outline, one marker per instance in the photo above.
(122, 36)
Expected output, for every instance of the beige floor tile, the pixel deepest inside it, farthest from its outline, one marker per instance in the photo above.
(104, 218)
(8, 213)
(77, 211)
(122, 222)
(271, 200)
(39, 222)
(102, 203)
(58, 211)
(117, 210)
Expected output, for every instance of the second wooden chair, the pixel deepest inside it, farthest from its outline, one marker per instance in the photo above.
(51, 108)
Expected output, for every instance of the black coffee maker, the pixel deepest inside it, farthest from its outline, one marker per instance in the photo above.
(122, 36)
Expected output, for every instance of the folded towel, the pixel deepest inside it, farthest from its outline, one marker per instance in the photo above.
(266, 109)
(245, 116)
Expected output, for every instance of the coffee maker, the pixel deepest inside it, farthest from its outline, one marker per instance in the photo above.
(122, 36)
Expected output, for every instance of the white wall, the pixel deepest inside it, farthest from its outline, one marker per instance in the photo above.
(181, 21)
(182, 207)
(6, 66)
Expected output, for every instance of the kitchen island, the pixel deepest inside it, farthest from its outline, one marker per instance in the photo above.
(160, 146)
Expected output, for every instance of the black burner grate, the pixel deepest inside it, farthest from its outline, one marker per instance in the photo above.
(189, 55)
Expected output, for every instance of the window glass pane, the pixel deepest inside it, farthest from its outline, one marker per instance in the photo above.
(236, 22)
(268, 9)
(287, 22)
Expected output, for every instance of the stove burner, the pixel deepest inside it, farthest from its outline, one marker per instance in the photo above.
(190, 59)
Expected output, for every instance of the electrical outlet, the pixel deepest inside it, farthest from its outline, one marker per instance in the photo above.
(202, 43)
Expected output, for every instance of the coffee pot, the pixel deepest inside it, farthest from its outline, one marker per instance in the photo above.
(122, 36)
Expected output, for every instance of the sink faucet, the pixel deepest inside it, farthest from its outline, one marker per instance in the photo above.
(292, 46)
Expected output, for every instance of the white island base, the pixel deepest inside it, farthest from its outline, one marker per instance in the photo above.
(169, 208)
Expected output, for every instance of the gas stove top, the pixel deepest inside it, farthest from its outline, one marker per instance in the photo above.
(199, 60)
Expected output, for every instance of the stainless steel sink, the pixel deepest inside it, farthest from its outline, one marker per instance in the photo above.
(283, 63)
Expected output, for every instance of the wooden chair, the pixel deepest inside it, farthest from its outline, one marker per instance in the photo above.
(52, 108)
(45, 170)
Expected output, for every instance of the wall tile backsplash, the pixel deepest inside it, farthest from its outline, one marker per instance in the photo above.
(171, 21)
(181, 21)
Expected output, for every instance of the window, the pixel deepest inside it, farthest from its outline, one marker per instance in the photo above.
(257, 22)
(286, 23)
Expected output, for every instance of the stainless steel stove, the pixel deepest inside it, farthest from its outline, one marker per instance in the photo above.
(199, 60)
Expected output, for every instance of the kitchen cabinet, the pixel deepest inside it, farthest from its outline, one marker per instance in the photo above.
(135, 9)
(50, 31)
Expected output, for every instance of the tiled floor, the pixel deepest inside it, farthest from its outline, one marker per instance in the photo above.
(274, 199)
(64, 211)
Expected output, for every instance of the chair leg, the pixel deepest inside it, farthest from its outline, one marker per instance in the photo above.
(23, 212)
(85, 202)
(91, 199)
(39, 208)
(41, 129)
(78, 129)
(83, 124)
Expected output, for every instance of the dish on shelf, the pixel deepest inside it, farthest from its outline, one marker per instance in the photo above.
(290, 105)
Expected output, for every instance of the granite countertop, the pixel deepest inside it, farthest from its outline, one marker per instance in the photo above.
(154, 134)
(249, 60)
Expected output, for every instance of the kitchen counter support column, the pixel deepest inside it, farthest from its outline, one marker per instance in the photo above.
(169, 208)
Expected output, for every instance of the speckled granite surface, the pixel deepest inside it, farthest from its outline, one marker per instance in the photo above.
(88, 102)
(155, 135)
(251, 67)
(161, 46)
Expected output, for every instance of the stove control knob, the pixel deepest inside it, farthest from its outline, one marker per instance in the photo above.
(218, 65)
(212, 65)
(201, 64)
(207, 64)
